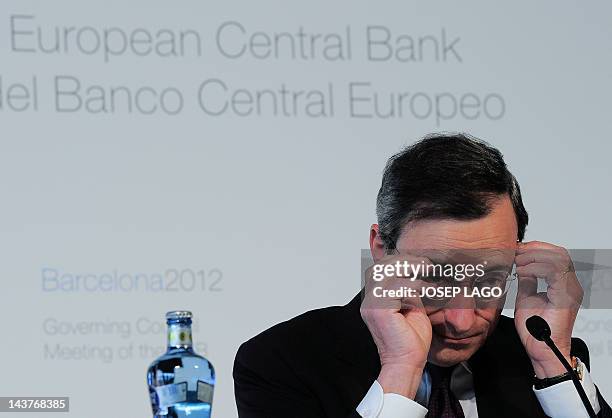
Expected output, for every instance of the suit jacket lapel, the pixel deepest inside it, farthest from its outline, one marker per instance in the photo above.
(502, 376)
(357, 355)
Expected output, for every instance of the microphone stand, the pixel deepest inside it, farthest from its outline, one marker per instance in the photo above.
(540, 330)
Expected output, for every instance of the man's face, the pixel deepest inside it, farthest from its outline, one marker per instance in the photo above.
(461, 326)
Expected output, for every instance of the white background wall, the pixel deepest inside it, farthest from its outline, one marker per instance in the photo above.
(280, 205)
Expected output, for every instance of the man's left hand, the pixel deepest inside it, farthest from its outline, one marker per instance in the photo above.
(558, 306)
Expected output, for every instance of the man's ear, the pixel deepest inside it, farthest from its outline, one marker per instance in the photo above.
(377, 247)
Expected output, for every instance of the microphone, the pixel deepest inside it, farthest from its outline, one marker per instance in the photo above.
(540, 330)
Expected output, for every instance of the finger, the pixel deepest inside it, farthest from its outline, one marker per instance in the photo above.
(527, 286)
(540, 256)
(554, 279)
(563, 290)
(393, 293)
(400, 266)
(535, 270)
(535, 245)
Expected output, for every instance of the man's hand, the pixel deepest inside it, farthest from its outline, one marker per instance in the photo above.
(558, 306)
(401, 330)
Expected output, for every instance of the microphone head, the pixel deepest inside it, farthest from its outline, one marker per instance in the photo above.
(538, 327)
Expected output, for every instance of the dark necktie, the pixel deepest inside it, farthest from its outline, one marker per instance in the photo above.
(442, 402)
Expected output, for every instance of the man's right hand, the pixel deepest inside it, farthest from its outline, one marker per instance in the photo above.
(400, 328)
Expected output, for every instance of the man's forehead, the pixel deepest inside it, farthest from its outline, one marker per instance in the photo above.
(498, 229)
(448, 234)
(464, 255)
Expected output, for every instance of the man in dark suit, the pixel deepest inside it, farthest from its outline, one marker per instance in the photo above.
(408, 345)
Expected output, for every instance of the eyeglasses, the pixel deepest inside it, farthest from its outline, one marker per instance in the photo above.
(480, 287)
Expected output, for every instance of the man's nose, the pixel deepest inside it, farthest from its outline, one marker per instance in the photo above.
(460, 316)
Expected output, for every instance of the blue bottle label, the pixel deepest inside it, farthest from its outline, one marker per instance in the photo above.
(205, 392)
(168, 395)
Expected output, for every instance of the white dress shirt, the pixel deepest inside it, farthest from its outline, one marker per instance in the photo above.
(558, 401)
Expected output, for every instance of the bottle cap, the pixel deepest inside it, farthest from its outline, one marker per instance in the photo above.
(178, 315)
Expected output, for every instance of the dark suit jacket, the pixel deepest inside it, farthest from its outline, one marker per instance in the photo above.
(322, 363)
